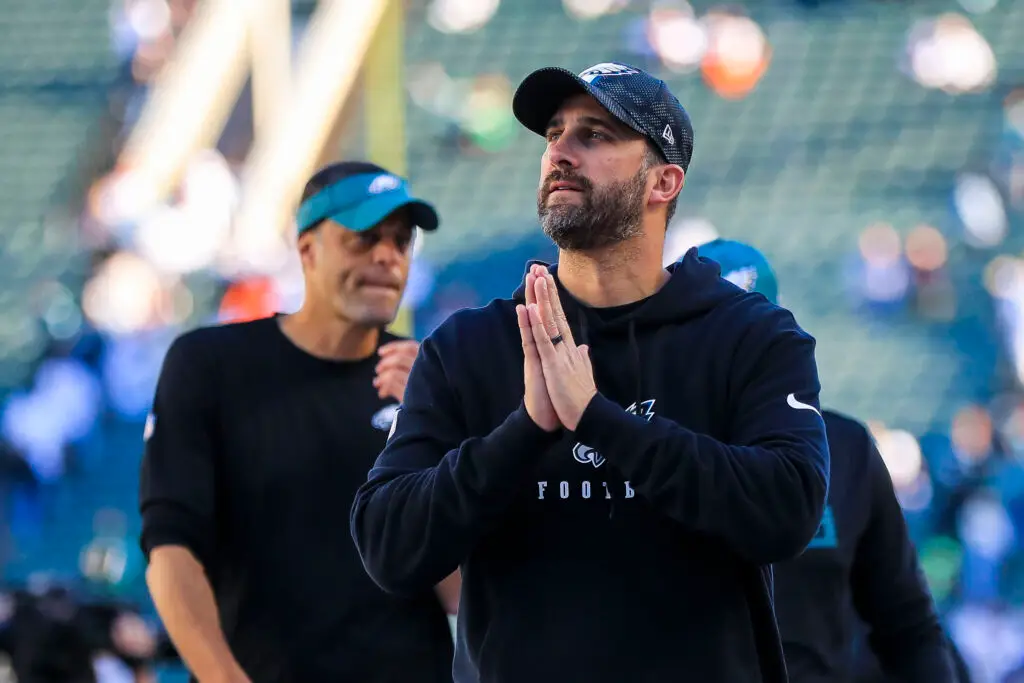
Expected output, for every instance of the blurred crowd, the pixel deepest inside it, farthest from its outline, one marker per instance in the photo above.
(153, 275)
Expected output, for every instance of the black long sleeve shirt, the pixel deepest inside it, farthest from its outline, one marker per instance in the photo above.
(253, 455)
(861, 564)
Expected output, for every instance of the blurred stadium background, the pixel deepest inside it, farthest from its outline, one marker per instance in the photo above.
(152, 151)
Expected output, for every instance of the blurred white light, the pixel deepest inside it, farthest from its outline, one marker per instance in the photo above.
(737, 40)
(124, 197)
(902, 455)
(150, 19)
(261, 251)
(123, 296)
(949, 54)
(679, 39)
(684, 234)
(591, 9)
(980, 206)
(460, 16)
(209, 184)
(179, 241)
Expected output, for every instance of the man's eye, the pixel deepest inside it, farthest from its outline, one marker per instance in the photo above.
(551, 136)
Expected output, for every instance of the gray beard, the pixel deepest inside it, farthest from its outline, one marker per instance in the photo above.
(574, 228)
(607, 216)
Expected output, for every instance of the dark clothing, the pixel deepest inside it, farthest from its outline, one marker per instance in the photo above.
(861, 563)
(255, 452)
(636, 548)
(866, 668)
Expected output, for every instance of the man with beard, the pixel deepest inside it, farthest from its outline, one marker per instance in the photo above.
(260, 434)
(861, 569)
(614, 504)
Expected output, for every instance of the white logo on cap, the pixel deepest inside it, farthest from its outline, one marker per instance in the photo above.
(606, 69)
(667, 134)
(383, 183)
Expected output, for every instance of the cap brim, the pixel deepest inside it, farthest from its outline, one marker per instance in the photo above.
(367, 214)
(541, 94)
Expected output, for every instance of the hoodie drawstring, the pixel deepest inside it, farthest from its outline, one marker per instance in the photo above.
(634, 351)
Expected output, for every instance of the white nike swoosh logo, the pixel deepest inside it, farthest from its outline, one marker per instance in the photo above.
(797, 405)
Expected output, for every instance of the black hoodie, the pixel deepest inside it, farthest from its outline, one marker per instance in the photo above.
(637, 548)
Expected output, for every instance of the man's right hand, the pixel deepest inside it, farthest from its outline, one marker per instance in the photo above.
(538, 403)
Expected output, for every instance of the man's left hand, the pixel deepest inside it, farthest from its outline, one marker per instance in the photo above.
(396, 360)
(568, 373)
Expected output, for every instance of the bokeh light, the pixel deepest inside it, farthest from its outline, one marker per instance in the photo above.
(460, 16)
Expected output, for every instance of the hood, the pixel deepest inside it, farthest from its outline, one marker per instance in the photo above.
(695, 286)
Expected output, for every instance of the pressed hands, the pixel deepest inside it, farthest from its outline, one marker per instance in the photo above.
(558, 375)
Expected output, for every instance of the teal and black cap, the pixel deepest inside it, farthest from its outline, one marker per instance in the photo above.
(359, 196)
(743, 265)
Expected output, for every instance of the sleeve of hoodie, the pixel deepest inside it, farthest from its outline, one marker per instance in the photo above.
(763, 493)
(177, 477)
(889, 591)
(435, 489)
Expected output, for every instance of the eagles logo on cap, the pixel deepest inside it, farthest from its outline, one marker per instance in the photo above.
(383, 183)
(606, 69)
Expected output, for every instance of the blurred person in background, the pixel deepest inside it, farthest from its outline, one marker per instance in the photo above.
(259, 436)
(52, 634)
(861, 555)
(615, 513)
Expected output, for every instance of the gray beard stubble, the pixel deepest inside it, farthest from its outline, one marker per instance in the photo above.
(607, 216)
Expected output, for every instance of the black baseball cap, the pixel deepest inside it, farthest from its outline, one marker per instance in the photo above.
(634, 97)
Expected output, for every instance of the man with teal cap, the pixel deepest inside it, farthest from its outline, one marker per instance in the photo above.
(861, 556)
(260, 434)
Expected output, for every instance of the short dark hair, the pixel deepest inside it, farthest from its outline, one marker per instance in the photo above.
(332, 173)
(653, 157)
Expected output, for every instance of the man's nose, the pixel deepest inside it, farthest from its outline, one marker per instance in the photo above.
(386, 250)
(563, 152)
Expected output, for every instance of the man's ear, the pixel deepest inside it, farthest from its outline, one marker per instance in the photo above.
(306, 245)
(670, 181)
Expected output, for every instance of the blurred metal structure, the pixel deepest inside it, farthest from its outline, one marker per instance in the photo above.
(384, 107)
(330, 55)
(191, 99)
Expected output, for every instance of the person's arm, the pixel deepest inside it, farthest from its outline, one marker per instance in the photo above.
(177, 489)
(890, 593)
(763, 493)
(434, 490)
